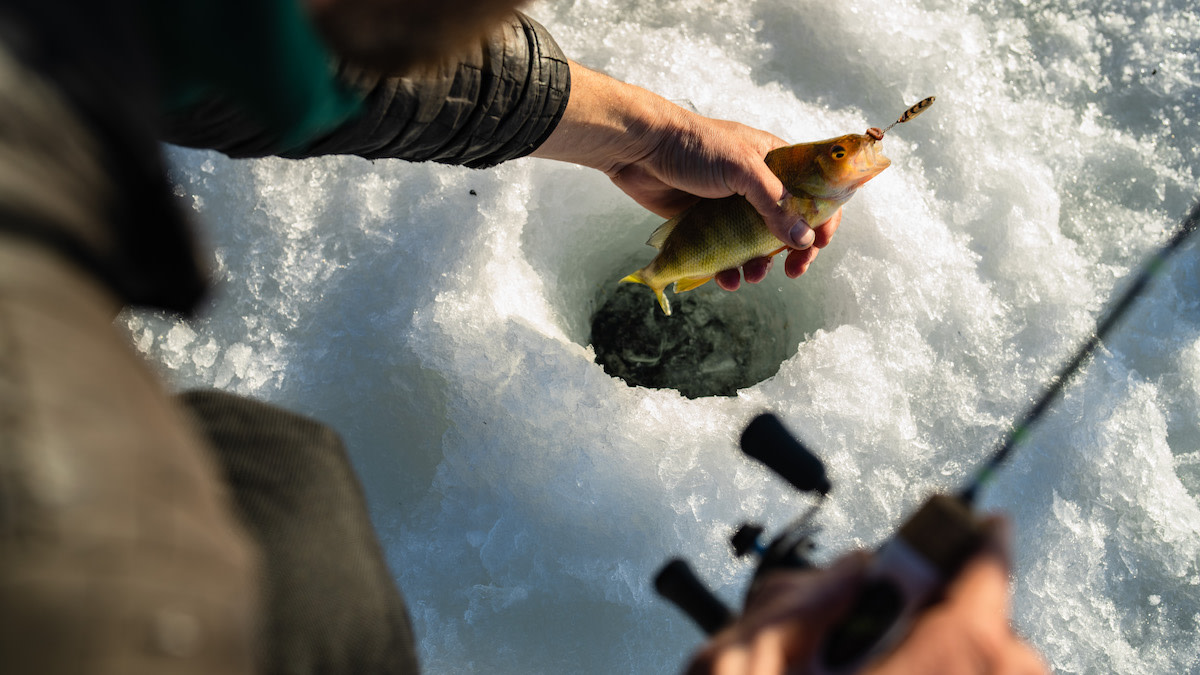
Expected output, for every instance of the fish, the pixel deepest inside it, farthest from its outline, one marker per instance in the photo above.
(719, 234)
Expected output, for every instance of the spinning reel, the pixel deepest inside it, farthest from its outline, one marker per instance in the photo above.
(905, 574)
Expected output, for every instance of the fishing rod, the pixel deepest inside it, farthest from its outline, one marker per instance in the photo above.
(1151, 269)
(908, 571)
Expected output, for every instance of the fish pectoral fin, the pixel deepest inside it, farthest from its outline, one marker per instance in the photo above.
(688, 284)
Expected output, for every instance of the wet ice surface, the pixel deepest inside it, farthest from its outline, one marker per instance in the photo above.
(525, 498)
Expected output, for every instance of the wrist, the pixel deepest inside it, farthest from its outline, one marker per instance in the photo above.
(608, 124)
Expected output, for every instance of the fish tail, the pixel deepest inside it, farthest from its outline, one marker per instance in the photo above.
(636, 278)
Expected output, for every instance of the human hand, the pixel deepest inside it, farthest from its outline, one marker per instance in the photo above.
(796, 263)
(666, 158)
(785, 621)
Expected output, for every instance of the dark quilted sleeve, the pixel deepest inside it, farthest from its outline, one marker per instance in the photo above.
(496, 101)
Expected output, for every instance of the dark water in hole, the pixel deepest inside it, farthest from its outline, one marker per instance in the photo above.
(713, 344)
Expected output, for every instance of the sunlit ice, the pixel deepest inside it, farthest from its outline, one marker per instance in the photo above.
(439, 318)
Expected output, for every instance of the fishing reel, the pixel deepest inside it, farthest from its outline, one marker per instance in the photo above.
(905, 575)
(766, 440)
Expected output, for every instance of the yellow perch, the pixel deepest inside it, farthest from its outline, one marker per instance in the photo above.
(719, 234)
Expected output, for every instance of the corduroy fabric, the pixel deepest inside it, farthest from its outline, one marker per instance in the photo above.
(330, 605)
(119, 550)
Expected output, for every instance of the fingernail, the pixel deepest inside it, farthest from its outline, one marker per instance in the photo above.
(801, 235)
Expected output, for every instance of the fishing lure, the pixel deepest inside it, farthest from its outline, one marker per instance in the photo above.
(912, 112)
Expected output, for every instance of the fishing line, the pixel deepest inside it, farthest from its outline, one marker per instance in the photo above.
(1150, 270)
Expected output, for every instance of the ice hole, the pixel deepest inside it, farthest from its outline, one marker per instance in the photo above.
(713, 344)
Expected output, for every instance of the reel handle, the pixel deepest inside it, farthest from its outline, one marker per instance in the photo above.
(768, 441)
(678, 583)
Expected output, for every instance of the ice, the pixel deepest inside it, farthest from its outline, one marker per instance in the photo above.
(438, 317)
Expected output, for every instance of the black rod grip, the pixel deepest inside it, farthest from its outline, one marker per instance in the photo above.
(678, 583)
(768, 441)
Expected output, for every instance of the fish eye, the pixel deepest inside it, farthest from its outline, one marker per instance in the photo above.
(838, 152)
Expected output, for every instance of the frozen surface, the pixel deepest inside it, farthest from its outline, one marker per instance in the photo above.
(438, 317)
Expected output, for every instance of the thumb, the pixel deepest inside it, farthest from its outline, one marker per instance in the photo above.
(769, 197)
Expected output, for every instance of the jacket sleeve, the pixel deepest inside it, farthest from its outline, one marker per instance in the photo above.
(496, 101)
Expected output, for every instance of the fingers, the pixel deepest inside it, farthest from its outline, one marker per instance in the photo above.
(730, 279)
(784, 616)
(787, 613)
(766, 194)
(969, 630)
(798, 261)
(754, 270)
(983, 583)
(800, 236)
(794, 265)
(824, 231)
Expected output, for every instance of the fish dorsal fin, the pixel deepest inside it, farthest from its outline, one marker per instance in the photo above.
(660, 235)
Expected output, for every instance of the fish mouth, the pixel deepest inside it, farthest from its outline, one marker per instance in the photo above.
(871, 162)
(874, 158)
